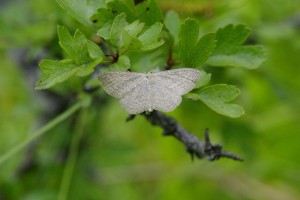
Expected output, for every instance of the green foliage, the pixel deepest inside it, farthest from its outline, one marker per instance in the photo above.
(126, 27)
(125, 37)
(150, 36)
(106, 14)
(75, 47)
(193, 51)
(123, 63)
(116, 30)
(230, 51)
(81, 10)
(83, 56)
(217, 97)
(205, 78)
(172, 23)
(117, 27)
(149, 12)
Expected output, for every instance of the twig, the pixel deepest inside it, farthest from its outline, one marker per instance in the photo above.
(194, 146)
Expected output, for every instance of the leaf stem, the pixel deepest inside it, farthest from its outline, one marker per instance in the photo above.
(72, 156)
(41, 131)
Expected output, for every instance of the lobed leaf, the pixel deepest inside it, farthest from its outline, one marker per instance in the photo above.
(249, 57)
(75, 47)
(55, 72)
(217, 97)
(231, 36)
(194, 52)
(230, 51)
(83, 56)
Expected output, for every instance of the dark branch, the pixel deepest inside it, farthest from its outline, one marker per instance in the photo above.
(194, 146)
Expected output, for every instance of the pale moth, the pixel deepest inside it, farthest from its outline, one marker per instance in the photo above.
(139, 92)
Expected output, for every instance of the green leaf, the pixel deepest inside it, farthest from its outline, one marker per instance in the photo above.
(124, 36)
(55, 72)
(120, 7)
(249, 57)
(172, 23)
(94, 50)
(83, 56)
(102, 17)
(134, 28)
(150, 60)
(231, 36)
(230, 51)
(194, 52)
(193, 96)
(203, 80)
(104, 31)
(116, 29)
(58, 71)
(112, 9)
(203, 49)
(152, 46)
(128, 42)
(87, 68)
(150, 36)
(129, 38)
(75, 47)
(217, 97)
(81, 10)
(149, 12)
(189, 34)
(122, 64)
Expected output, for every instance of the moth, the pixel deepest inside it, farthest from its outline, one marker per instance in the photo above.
(139, 92)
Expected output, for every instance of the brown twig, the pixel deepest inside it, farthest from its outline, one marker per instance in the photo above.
(194, 146)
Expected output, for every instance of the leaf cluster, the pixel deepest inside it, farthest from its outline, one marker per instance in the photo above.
(127, 29)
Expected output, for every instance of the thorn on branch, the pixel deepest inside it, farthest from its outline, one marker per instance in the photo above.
(214, 152)
(130, 117)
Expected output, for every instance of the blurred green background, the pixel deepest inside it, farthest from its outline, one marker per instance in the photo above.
(131, 160)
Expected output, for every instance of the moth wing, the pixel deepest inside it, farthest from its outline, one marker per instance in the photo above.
(117, 84)
(138, 99)
(181, 81)
(164, 99)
